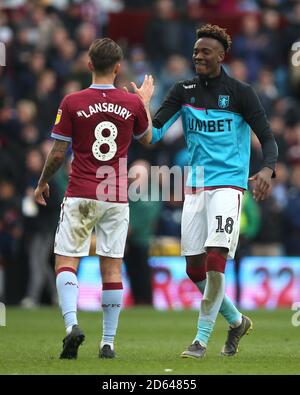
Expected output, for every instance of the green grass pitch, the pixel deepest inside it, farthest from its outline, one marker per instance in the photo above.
(148, 342)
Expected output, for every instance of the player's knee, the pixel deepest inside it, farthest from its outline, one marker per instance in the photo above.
(196, 273)
(63, 263)
(215, 262)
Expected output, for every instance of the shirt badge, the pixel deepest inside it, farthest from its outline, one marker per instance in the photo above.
(223, 101)
(58, 116)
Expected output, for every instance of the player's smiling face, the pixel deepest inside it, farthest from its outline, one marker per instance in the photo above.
(208, 54)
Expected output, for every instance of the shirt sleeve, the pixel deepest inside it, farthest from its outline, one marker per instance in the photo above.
(254, 114)
(141, 120)
(168, 113)
(62, 129)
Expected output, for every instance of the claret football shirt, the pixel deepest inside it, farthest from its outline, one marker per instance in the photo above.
(100, 122)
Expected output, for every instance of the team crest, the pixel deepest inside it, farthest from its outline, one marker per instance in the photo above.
(223, 101)
(58, 116)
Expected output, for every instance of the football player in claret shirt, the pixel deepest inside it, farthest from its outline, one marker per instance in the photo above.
(218, 113)
(99, 122)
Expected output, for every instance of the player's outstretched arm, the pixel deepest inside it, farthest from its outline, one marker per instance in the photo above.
(53, 162)
(147, 137)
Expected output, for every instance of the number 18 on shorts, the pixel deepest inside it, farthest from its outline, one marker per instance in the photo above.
(211, 218)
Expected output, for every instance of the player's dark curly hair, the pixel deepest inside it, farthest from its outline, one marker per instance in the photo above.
(216, 32)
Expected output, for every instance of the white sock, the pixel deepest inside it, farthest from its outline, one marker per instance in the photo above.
(67, 289)
(112, 295)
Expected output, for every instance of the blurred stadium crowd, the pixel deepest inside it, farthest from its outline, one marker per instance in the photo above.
(46, 58)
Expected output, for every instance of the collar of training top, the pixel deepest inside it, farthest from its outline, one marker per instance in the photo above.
(206, 81)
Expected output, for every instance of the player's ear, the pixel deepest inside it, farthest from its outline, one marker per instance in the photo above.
(117, 68)
(221, 56)
(90, 66)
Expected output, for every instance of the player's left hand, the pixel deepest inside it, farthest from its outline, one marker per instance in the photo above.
(146, 90)
(40, 193)
(262, 183)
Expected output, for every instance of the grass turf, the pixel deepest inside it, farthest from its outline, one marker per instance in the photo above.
(148, 342)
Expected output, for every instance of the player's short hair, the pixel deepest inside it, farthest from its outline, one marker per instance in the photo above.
(104, 54)
(216, 32)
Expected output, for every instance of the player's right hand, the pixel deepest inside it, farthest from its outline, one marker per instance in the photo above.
(146, 90)
(40, 193)
(262, 184)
